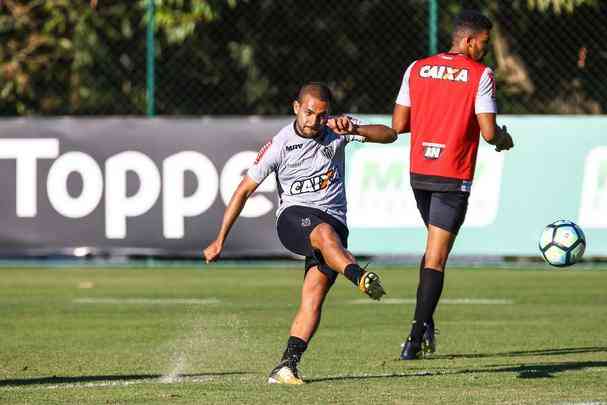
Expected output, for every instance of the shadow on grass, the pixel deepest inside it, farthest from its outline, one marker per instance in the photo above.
(545, 370)
(541, 370)
(104, 378)
(542, 352)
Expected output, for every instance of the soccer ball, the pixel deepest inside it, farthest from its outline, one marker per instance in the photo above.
(562, 243)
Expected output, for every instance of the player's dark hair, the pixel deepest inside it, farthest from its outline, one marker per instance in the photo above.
(317, 89)
(470, 22)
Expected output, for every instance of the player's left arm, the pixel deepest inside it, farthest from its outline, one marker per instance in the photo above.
(493, 133)
(485, 108)
(376, 133)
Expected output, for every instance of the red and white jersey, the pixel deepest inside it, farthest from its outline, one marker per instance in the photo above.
(445, 92)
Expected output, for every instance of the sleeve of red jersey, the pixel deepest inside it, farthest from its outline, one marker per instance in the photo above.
(404, 97)
(267, 161)
(485, 95)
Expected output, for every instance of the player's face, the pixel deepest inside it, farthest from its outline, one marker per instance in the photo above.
(311, 114)
(478, 45)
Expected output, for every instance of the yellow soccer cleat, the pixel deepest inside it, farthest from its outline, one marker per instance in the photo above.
(285, 373)
(371, 285)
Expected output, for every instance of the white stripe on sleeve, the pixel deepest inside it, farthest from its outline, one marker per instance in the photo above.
(404, 97)
(485, 95)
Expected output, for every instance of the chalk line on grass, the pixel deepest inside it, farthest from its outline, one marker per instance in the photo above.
(147, 301)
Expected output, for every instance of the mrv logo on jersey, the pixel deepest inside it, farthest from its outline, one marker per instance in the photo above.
(315, 183)
(444, 73)
(432, 150)
(290, 148)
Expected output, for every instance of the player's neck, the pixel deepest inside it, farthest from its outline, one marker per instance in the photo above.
(457, 51)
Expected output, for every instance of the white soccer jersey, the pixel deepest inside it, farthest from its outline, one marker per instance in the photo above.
(309, 171)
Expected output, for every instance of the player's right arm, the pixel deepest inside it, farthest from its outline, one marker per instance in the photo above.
(244, 190)
(401, 116)
(401, 119)
(266, 162)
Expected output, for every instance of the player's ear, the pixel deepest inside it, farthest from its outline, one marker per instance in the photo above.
(296, 107)
(470, 40)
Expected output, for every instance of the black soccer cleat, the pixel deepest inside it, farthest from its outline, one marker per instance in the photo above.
(429, 338)
(411, 350)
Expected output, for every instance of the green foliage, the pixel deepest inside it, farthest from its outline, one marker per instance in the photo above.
(559, 5)
(63, 57)
(178, 18)
(245, 57)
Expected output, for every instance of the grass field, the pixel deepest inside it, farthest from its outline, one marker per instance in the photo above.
(146, 336)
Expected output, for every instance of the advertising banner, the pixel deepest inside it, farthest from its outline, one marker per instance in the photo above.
(131, 186)
(160, 186)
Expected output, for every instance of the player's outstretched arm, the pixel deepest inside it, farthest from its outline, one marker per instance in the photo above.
(376, 133)
(344, 125)
(494, 134)
(244, 190)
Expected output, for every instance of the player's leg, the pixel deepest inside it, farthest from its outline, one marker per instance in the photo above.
(315, 288)
(327, 239)
(444, 218)
(423, 199)
(418, 295)
(429, 291)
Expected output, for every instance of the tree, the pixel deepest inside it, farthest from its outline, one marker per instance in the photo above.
(250, 57)
(540, 66)
(66, 57)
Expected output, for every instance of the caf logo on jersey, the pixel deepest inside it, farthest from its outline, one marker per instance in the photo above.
(313, 184)
(444, 73)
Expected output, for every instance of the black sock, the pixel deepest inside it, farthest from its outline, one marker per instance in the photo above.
(295, 348)
(440, 292)
(432, 287)
(418, 301)
(353, 272)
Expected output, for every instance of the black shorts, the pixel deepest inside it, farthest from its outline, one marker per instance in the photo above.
(444, 209)
(294, 227)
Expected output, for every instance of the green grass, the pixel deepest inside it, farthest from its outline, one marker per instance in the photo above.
(548, 346)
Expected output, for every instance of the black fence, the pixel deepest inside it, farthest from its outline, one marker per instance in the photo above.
(232, 57)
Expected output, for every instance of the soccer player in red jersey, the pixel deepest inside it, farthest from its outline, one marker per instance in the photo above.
(445, 101)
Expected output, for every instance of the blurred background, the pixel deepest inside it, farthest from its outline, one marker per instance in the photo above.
(141, 116)
(232, 57)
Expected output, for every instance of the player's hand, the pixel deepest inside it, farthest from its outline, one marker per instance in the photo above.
(212, 252)
(341, 125)
(504, 141)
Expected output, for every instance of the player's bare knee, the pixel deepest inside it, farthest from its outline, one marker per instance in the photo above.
(323, 236)
(436, 260)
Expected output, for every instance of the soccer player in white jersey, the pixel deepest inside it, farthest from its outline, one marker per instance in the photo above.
(308, 159)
